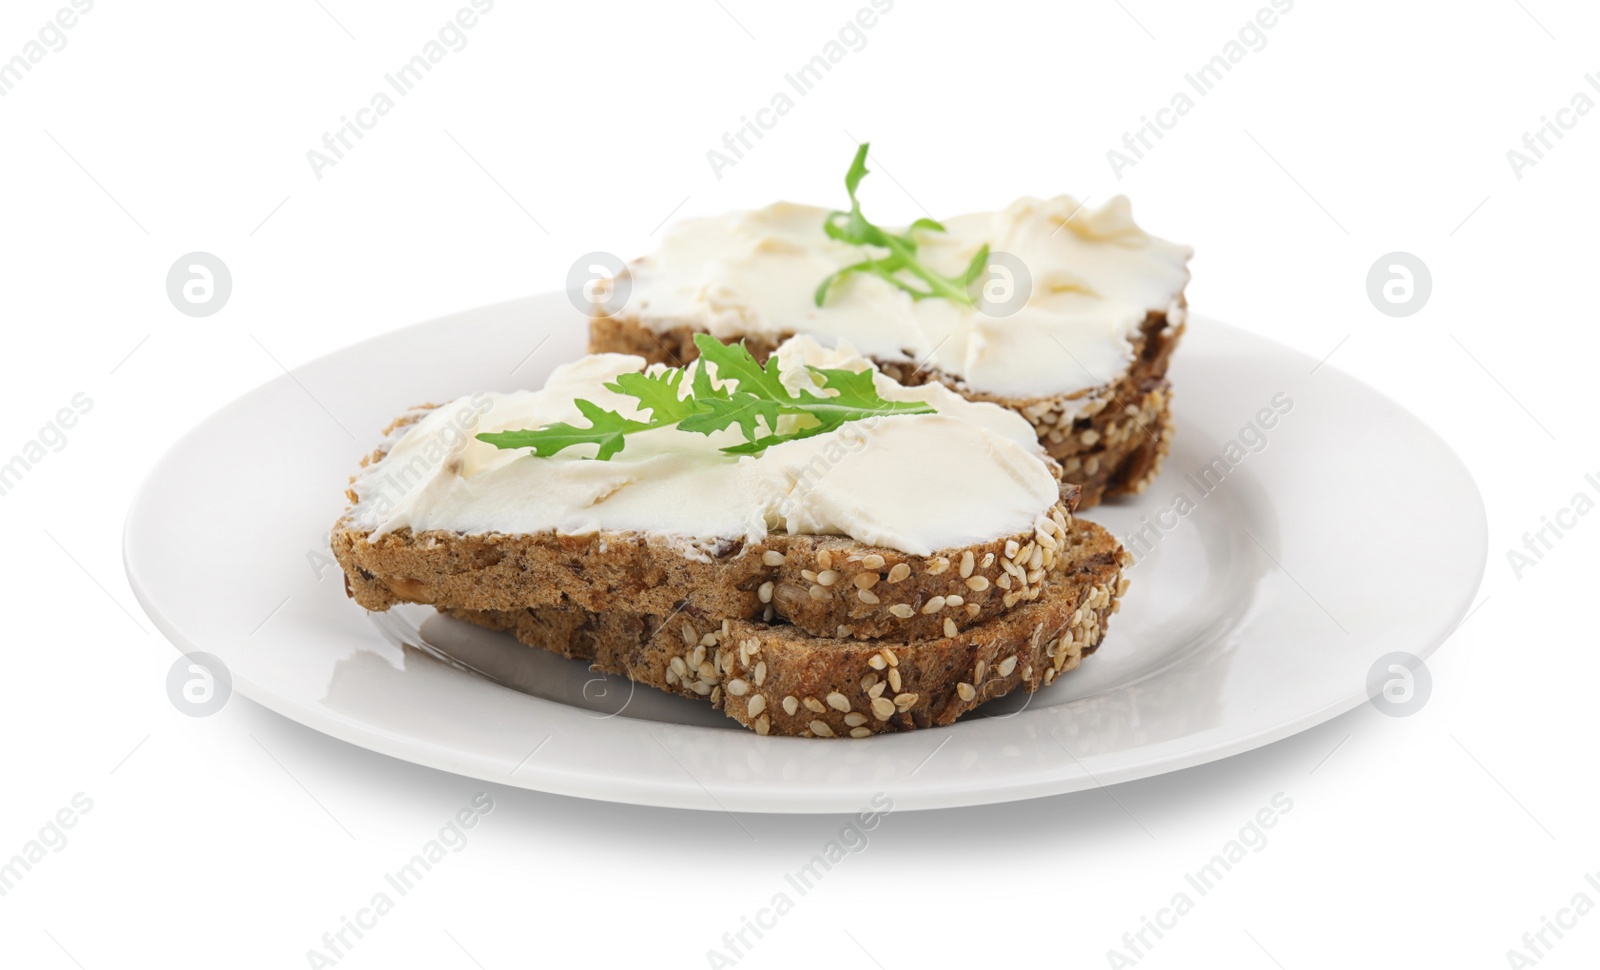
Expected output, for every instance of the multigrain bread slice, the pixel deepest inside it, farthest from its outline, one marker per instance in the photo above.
(1109, 439)
(826, 586)
(777, 679)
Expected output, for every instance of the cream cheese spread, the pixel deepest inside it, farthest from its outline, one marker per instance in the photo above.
(968, 473)
(1094, 275)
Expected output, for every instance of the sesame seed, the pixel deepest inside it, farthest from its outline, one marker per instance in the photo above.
(865, 580)
(761, 672)
(821, 729)
(842, 632)
(937, 565)
(889, 656)
(988, 560)
(764, 594)
(1004, 582)
(1010, 599)
(791, 704)
(966, 564)
(672, 676)
(738, 688)
(876, 661)
(882, 708)
(933, 605)
(809, 575)
(690, 638)
(903, 701)
(1012, 548)
(813, 705)
(869, 681)
(954, 599)
(698, 657)
(763, 725)
(818, 593)
(709, 640)
(855, 719)
(860, 732)
(966, 690)
(876, 690)
(978, 671)
(1007, 666)
(708, 671)
(679, 667)
(977, 584)
(867, 596)
(902, 611)
(758, 703)
(700, 687)
(1027, 672)
(838, 702)
(716, 696)
(872, 561)
(949, 627)
(1037, 559)
(825, 559)
(773, 558)
(899, 572)
(972, 610)
(1033, 577)
(894, 678)
(827, 577)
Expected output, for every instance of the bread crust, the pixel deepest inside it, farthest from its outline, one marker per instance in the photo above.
(827, 586)
(777, 679)
(1109, 440)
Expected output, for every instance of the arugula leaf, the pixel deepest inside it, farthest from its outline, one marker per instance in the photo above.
(751, 395)
(853, 227)
(606, 429)
(657, 393)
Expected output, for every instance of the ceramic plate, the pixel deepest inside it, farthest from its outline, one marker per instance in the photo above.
(1303, 527)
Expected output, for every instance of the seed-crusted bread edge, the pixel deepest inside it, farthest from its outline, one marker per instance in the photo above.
(775, 679)
(1109, 440)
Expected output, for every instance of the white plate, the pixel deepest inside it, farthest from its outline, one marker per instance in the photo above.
(1352, 533)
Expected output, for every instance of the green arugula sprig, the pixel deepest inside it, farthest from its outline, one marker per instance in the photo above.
(751, 396)
(854, 228)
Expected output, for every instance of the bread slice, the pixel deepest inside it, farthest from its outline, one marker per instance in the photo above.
(1110, 440)
(777, 679)
(826, 586)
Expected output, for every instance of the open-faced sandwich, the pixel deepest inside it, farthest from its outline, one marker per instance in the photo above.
(1062, 312)
(807, 544)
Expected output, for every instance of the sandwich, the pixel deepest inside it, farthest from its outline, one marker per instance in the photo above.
(1063, 312)
(805, 543)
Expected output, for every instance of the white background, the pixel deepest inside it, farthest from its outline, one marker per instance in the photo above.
(1361, 128)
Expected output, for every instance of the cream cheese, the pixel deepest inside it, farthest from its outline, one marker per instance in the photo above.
(968, 473)
(1094, 276)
